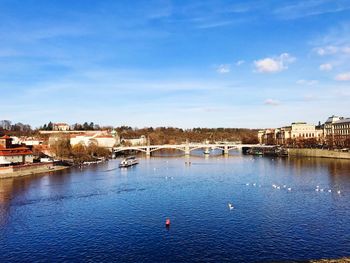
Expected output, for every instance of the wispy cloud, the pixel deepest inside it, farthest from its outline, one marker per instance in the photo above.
(326, 67)
(239, 62)
(343, 76)
(331, 50)
(307, 82)
(274, 64)
(215, 24)
(272, 102)
(302, 8)
(223, 69)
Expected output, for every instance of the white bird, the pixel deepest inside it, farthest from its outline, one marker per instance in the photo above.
(329, 191)
(247, 184)
(284, 186)
(254, 184)
(230, 206)
(338, 192)
(289, 189)
(274, 186)
(317, 189)
(278, 187)
(321, 190)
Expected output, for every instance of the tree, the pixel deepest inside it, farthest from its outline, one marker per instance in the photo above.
(50, 126)
(85, 126)
(60, 146)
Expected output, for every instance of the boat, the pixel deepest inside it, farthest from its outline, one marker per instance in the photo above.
(129, 161)
(255, 151)
(207, 151)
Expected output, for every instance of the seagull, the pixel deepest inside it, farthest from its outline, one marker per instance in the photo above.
(338, 192)
(278, 187)
(254, 184)
(247, 184)
(230, 206)
(274, 186)
(317, 189)
(321, 190)
(329, 191)
(284, 186)
(289, 189)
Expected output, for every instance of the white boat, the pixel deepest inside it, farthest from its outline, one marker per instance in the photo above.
(129, 161)
(207, 151)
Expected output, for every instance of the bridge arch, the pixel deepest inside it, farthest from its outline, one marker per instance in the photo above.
(116, 150)
(166, 148)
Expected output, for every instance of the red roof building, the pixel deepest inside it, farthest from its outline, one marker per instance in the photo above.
(13, 155)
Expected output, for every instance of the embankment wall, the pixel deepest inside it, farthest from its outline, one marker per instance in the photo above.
(318, 153)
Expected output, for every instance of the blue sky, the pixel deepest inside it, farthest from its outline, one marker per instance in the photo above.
(206, 63)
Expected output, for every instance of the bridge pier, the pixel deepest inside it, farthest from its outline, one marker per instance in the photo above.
(225, 150)
(187, 150)
(148, 151)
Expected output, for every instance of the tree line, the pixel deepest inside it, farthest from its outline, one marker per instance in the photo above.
(18, 128)
(76, 127)
(158, 135)
(172, 135)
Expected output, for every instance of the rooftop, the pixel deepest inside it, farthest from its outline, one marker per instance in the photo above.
(343, 120)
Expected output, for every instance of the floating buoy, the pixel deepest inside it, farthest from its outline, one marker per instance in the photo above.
(167, 222)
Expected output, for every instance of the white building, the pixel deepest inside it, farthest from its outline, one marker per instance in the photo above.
(101, 139)
(136, 141)
(60, 127)
(295, 132)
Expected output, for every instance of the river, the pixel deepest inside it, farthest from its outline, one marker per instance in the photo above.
(105, 214)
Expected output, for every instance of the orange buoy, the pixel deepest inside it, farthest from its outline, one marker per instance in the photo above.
(167, 222)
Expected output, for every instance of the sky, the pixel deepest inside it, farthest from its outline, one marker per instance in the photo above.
(205, 63)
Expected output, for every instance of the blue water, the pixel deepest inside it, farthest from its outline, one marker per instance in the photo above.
(103, 214)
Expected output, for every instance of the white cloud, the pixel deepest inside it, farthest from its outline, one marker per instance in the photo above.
(307, 82)
(274, 64)
(272, 102)
(332, 50)
(223, 68)
(240, 62)
(326, 67)
(343, 76)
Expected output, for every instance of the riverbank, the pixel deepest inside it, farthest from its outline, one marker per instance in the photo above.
(24, 170)
(341, 260)
(318, 153)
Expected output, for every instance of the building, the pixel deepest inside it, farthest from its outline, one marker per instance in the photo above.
(135, 141)
(101, 139)
(337, 131)
(334, 132)
(60, 127)
(11, 154)
(296, 132)
(267, 136)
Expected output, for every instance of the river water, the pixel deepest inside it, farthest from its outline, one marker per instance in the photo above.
(105, 214)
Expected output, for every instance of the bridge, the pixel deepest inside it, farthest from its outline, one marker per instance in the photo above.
(186, 148)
